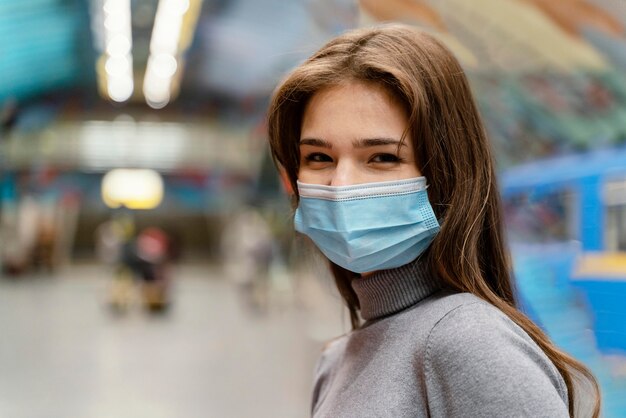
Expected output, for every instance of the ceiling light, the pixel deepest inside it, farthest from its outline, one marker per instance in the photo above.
(164, 65)
(120, 88)
(132, 188)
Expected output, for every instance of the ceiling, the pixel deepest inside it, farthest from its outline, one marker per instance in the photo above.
(232, 48)
(548, 79)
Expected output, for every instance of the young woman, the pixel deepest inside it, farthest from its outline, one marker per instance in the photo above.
(394, 182)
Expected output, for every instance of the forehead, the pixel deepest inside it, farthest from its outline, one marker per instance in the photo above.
(354, 109)
(369, 93)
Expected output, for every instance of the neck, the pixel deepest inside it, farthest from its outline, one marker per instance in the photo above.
(385, 292)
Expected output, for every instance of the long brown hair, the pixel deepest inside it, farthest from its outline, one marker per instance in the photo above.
(452, 151)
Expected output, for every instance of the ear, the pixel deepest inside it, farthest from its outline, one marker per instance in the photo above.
(284, 179)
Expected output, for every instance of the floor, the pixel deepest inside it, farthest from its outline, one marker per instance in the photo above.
(64, 353)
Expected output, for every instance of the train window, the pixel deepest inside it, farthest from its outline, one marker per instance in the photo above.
(548, 217)
(615, 201)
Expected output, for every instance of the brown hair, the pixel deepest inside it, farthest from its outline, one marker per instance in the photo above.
(451, 148)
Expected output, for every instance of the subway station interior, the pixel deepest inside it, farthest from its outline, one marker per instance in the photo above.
(148, 262)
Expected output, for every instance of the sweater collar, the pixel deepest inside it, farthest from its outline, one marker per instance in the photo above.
(389, 291)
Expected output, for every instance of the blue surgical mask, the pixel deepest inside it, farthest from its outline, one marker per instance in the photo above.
(368, 227)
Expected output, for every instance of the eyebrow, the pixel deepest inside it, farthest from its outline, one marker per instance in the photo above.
(374, 142)
(316, 142)
(359, 143)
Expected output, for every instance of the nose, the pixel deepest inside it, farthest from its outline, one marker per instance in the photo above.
(345, 174)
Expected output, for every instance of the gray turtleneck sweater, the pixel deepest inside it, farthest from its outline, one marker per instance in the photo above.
(426, 352)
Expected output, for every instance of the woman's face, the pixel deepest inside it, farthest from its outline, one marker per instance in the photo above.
(351, 134)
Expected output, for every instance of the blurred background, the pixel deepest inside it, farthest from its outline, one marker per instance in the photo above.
(148, 264)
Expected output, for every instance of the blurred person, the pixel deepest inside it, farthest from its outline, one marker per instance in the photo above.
(140, 262)
(394, 182)
(114, 242)
(152, 257)
(21, 230)
(247, 246)
(109, 239)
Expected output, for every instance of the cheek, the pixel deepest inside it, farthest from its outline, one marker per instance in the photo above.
(413, 171)
(310, 176)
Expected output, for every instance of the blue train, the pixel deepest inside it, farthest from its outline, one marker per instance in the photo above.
(566, 220)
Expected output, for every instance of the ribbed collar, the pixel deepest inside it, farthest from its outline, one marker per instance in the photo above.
(389, 291)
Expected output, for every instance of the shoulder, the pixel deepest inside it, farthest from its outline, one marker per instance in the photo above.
(326, 364)
(465, 317)
(331, 353)
(473, 328)
(477, 357)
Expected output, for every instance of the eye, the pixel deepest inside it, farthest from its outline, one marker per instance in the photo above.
(385, 158)
(317, 157)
